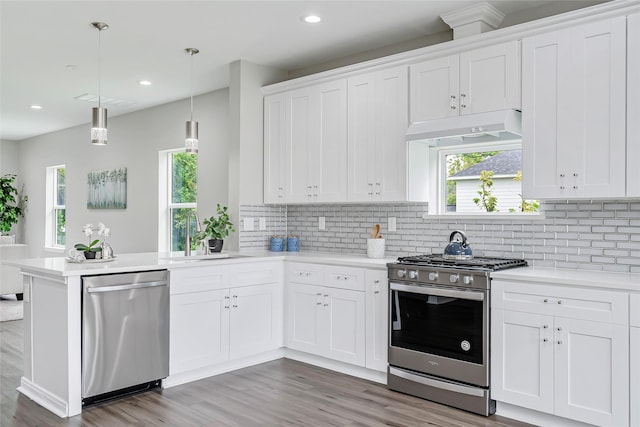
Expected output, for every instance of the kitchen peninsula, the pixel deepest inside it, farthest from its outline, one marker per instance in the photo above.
(199, 288)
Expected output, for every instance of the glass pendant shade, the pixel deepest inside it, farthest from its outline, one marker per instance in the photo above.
(191, 138)
(99, 126)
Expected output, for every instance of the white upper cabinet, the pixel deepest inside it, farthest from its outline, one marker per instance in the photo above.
(274, 148)
(306, 145)
(573, 85)
(481, 80)
(633, 105)
(377, 125)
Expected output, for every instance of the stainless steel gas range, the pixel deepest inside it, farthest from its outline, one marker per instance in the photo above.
(439, 329)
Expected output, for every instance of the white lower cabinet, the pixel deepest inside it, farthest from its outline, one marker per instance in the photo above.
(634, 359)
(545, 356)
(326, 311)
(327, 322)
(214, 320)
(377, 319)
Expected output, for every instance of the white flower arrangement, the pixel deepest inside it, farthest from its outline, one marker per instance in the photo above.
(88, 230)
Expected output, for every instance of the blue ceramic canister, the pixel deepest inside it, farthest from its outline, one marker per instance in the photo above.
(277, 244)
(293, 244)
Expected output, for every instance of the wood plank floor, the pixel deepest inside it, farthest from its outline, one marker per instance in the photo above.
(278, 393)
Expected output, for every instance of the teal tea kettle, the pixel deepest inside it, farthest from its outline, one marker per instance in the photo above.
(458, 248)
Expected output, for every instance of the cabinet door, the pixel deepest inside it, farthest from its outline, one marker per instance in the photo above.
(199, 330)
(391, 123)
(301, 137)
(634, 376)
(633, 105)
(327, 161)
(343, 325)
(435, 86)
(304, 308)
(574, 112)
(376, 320)
(490, 78)
(592, 371)
(253, 320)
(274, 148)
(522, 359)
(361, 137)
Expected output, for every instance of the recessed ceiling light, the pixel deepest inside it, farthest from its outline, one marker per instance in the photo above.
(311, 19)
(71, 67)
(144, 82)
(35, 107)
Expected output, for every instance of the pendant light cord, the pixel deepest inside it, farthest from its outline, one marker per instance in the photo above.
(191, 85)
(99, 66)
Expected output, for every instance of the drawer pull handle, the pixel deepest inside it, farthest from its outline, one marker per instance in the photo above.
(376, 292)
(559, 301)
(546, 300)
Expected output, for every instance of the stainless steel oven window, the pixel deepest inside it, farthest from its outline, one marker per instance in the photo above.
(444, 322)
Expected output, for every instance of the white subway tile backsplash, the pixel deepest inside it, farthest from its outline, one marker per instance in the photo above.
(591, 235)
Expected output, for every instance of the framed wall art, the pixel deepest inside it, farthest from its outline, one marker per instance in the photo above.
(107, 189)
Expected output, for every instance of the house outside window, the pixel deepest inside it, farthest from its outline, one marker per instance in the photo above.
(482, 179)
(178, 196)
(55, 227)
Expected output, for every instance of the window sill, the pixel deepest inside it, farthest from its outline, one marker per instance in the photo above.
(487, 215)
(48, 249)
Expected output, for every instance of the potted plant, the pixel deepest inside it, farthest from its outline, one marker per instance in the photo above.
(216, 229)
(90, 250)
(11, 204)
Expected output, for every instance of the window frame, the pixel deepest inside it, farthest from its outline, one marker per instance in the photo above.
(438, 178)
(165, 202)
(52, 208)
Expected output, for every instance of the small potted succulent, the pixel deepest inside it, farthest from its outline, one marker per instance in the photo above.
(216, 229)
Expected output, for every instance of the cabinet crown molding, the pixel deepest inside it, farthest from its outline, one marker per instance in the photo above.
(471, 20)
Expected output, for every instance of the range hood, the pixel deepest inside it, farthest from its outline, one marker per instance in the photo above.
(493, 126)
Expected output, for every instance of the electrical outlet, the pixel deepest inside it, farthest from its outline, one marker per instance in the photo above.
(391, 223)
(262, 223)
(321, 223)
(248, 224)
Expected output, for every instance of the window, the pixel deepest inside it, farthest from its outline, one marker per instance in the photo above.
(56, 208)
(178, 196)
(479, 179)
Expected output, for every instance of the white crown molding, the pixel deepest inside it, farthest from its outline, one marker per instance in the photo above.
(515, 32)
(474, 15)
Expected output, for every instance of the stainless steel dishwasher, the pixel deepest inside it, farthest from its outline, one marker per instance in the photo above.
(125, 333)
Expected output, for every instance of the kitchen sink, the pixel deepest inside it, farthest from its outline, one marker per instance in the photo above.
(180, 256)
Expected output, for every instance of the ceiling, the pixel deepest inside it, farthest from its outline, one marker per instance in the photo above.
(48, 49)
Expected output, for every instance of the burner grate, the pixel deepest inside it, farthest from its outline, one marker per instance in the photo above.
(476, 263)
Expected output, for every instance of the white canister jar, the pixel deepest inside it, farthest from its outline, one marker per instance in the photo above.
(375, 248)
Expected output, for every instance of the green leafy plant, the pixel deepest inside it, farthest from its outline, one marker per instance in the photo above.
(218, 226)
(526, 205)
(11, 203)
(486, 201)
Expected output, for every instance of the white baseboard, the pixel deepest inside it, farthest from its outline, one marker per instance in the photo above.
(345, 368)
(44, 398)
(534, 417)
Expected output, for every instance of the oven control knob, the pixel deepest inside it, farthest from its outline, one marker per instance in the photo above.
(413, 274)
(433, 276)
(467, 280)
(401, 273)
(453, 278)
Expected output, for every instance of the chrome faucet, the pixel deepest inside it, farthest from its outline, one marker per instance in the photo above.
(187, 240)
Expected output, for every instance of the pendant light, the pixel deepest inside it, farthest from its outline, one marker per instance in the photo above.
(99, 114)
(191, 138)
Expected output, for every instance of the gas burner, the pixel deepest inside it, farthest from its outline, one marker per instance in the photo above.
(475, 263)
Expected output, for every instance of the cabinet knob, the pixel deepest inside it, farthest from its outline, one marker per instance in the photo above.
(559, 341)
(319, 294)
(575, 187)
(560, 302)
(463, 106)
(453, 97)
(235, 306)
(546, 300)
(558, 329)
(562, 187)
(326, 295)
(376, 281)
(376, 292)
(575, 174)
(545, 340)
(226, 306)
(462, 95)
(561, 175)
(318, 303)
(546, 326)
(326, 305)
(453, 107)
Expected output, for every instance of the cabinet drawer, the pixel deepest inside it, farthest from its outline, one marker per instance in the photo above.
(198, 279)
(258, 273)
(572, 302)
(344, 277)
(634, 310)
(305, 273)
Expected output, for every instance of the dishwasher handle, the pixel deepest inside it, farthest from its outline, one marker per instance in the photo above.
(115, 288)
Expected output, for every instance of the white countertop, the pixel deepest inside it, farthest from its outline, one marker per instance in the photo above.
(123, 263)
(563, 276)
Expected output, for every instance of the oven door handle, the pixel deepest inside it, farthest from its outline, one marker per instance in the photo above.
(430, 290)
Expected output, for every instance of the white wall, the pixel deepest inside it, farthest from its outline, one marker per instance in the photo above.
(134, 142)
(8, 157)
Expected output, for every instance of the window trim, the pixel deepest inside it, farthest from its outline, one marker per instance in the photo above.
(438, 177)
(165, 203)
(52, 206)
